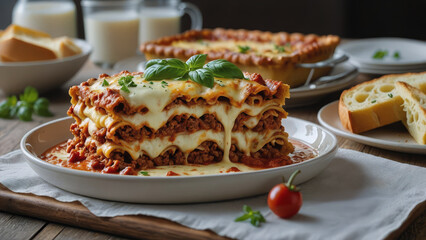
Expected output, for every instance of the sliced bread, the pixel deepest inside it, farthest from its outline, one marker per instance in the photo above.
(376, 103)
(20, 44)
(414, 107)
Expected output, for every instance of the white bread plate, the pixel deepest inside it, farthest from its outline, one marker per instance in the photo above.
(174, 189)
(42, 75)
(394, 137)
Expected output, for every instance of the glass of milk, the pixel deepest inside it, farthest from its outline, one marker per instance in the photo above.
(56, 17)
(160, 18)
(112, 28)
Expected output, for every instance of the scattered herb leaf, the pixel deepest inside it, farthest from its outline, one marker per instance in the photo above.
(243, 49)
(105, 83)
(380, 54)
(126, 82)
(144, 173)
(374, 101)
(255, 216)
(279, 48)
(390, 95)
(396, 55)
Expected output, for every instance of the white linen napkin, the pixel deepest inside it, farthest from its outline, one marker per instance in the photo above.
(359, 196)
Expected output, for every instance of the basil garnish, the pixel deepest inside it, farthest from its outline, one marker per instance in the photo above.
(165, 69)
(159, 69)
(224, 69)
(196, 61)
(203, 76)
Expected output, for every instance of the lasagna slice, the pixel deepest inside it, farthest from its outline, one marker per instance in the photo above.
(169, 122)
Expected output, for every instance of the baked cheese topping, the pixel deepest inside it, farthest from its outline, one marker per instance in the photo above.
(267, 49)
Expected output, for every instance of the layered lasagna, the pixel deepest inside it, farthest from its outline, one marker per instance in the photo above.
(236, 123)
(273, 55)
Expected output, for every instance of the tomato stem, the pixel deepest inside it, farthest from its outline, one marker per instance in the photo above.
(289, 184)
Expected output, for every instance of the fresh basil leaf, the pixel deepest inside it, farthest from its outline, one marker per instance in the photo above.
(155, 61)
(144, 173)
(242, 218)
(25, 113)
(196, 61)
(174, 69)
(202, 76)
(224, 69)
(30, 95)
(247, 209)
(41, 107)
(184, 77)
(5, 110)
(12, 101)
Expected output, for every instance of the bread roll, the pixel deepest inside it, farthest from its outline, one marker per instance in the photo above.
(414, 106)
(20, 44)
(376, 103)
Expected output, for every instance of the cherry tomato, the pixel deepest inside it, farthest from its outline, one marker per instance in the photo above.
(284, 199)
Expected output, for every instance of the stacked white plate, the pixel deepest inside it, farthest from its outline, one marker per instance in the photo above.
(402, 55)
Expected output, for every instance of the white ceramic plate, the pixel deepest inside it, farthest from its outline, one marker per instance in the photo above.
(392, 137)
(412, 52)
(43, 75)
(180, 189)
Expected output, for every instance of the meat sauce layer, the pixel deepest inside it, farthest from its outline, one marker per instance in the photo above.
(57, 155)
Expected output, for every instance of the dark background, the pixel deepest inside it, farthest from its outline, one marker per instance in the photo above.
(346, 18)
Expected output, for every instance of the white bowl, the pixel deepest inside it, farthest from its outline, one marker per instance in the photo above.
(42, 75)
(180, 189)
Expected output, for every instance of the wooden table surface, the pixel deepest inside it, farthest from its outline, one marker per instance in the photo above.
(15, 226)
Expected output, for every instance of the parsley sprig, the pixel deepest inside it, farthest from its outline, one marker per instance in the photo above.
(29, 103)
(255, 216)
(126, 82)
(194, 69)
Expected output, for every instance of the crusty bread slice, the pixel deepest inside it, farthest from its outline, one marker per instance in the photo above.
(20, 44)
(375, 103)
(414, 107)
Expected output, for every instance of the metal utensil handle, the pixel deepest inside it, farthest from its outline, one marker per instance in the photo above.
(328, 79)
(326, 63)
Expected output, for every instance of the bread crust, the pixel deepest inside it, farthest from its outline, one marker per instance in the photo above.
(374, 115)
(311, 48)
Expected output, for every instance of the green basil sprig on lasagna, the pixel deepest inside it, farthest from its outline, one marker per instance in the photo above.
(194, 69)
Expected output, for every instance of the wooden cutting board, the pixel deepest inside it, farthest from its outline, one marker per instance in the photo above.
(75, 214)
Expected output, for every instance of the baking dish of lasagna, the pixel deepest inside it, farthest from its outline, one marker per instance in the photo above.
(273, 55)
